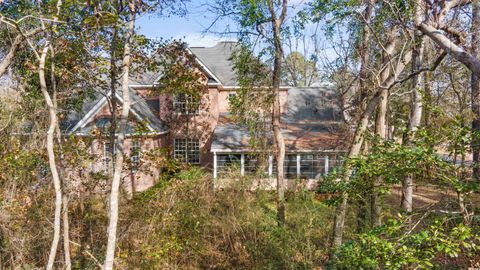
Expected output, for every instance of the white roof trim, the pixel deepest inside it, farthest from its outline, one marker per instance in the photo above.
(88, 116)
(141, 85)
(204, 67)
(247, 150)
(135, 113)
(209, 72)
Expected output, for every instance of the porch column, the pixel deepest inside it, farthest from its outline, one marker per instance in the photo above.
(270, 166)
(242, 165)
(214, 165)
(298, 165)
(326, 164)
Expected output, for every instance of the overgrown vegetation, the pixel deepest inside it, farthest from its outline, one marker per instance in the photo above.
(407, 76)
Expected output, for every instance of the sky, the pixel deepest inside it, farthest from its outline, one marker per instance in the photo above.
(190, 28)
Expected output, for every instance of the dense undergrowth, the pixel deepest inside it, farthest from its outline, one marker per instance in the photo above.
(184, 223)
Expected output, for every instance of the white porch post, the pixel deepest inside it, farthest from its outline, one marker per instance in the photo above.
(242, 165)
(298, 165)
(326, 164)
(214, 165)
(270, 166)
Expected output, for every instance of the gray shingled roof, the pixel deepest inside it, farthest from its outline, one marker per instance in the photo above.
(218, 60)
(74, 116)
(139, 106)
(229, 136)
(313, 121)
(313, 104)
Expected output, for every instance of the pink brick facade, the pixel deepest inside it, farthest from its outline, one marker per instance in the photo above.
(168, 130)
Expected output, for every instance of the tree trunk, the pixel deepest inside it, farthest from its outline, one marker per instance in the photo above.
(113, 86)
(381, 123)
(356, 146)
(277, 22)
(66, 234)
(51, 158)
(416, 108)
(7, 60)
(61, 167)
(381, 132)
(117, 173)
(17, 43)
(475, 91)
(364, 52)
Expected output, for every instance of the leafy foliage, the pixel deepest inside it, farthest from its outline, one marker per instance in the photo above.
(393, 246)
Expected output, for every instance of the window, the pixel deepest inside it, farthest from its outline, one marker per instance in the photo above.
(290, 166)
(255, 163)
(312, 166)
(107, 155)
(135, 152)
(154, 104)
(104, 124)
(335, 161)
(185, 104)
(228, 163)
(187, 150)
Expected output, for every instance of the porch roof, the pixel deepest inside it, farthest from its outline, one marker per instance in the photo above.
(313, 121)
(327, 136)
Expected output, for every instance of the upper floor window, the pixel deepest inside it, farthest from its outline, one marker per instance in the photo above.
(154, 104)
(187, 150)
(185, 104)
(107, 155)
(135, 152)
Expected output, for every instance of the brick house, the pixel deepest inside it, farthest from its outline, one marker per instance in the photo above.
(204, 135)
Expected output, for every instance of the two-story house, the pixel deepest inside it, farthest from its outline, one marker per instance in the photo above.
(204, 135)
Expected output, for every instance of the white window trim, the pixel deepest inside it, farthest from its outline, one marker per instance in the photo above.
(186, 150)
(186, 102)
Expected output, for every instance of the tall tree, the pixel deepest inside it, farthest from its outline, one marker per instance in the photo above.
(277, 20)
(118, 165)
(264, 21)
(415, 104)
(475, 90)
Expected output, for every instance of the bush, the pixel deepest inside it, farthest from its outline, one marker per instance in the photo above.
(184, 223)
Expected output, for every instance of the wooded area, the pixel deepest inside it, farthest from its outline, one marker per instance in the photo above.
(407, 76)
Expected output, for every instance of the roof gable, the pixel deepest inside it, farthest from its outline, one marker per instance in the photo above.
(139, 108)
(218, 60)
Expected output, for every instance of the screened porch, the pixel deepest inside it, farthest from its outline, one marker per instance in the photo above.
(297, 165)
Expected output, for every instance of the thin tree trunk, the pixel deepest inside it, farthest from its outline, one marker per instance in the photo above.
(364, 51)
(475, 91)
(356, 146)
(7, 60)
(113, 86)
(381, 124)
(61, 167)
(277, 22)
(416, 108)
(117, 173)
(16, 44)
(66, 234)
(51, 158)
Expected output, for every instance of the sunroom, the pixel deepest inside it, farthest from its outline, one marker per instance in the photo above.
(312, 151)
